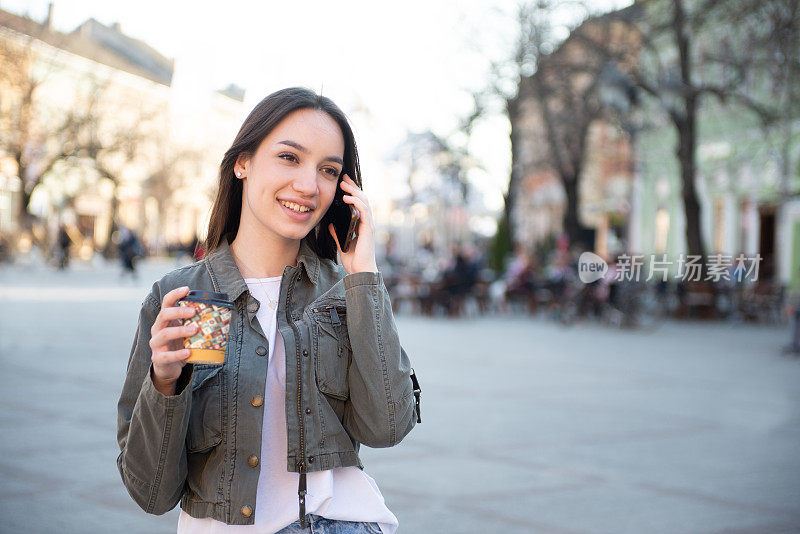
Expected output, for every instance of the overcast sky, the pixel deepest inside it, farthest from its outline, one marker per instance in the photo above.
(412, 64)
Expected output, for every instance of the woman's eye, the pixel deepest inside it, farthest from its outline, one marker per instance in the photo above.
(287, 156)
(333, 172)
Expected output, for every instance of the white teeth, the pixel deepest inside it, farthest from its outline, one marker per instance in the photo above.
(295, 207)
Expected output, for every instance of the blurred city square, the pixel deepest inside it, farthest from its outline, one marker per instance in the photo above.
(528, 426)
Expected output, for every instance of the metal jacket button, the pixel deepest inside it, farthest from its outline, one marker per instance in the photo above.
(261, 350)
(253, 307)
(308, 410)
(257, 401)
(252, 461)
(305, 352)
(311, 459)
(247, 511)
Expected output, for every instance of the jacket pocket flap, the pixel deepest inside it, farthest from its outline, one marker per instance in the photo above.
(329, 311)
(205, 419)
(328, 329)
(202, 375)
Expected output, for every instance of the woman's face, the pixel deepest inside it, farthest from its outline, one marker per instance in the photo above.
(290, 181)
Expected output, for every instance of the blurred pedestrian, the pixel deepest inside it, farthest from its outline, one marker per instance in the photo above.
(130, 249)
(794, 310)
(459, 282)
(63, 242)
(5, 248)
(219, 438)
(520, 279)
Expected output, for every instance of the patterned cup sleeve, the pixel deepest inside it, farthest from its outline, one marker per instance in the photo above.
(214, 322)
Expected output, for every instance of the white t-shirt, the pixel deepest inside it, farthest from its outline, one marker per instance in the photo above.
(346, 493)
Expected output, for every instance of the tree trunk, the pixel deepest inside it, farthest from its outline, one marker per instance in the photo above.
(109, 250)
(24, 198)
(686, 124)
(23, 216)
(572, 224)
(691, 205)
(509, 199)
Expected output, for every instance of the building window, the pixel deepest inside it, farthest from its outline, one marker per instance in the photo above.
(719, 225)
(662, 230)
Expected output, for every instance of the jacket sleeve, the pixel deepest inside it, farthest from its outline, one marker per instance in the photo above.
(151, 427)
(381, 410)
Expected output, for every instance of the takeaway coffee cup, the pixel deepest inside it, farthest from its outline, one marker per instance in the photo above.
(213, 317)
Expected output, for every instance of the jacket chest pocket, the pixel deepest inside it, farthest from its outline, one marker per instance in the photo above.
(205, 420)
(332, 352)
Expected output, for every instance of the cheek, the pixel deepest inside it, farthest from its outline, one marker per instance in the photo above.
(327, 192)
(268, 178)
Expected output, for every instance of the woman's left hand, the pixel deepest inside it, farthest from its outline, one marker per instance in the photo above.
(360, 256)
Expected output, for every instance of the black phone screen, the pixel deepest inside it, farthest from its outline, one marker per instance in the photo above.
(342, 215)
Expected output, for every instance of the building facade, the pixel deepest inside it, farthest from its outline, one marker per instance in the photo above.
(748, 181)
(104, 137)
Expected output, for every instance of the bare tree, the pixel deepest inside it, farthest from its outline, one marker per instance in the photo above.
(692, 49)
(536, 36)
(765, 47)
(111, 143)
(567, 91)
(437, 169)
(39, 135)
(25, 135)
(166, 175)
(554, 74)
(449, 162)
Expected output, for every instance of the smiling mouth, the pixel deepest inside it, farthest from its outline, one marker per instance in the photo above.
(295, 207)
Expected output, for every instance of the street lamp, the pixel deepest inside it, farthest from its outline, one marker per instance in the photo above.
(618, 95)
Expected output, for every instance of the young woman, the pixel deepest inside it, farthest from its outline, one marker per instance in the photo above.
(268, 441)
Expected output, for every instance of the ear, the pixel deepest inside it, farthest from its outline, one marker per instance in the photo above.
(242, 162)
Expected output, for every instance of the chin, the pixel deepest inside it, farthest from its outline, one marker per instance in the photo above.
(296, 234)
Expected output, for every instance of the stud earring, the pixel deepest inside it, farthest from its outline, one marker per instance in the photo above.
(238, 174)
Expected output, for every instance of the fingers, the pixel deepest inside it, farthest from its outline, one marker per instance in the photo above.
(332, 230)
(359, 204)
(171, 312)
(163, 332)
(356, 198)
(363, 211)
(166, 357)
(170, 333)
(172, 297)
(349, 186)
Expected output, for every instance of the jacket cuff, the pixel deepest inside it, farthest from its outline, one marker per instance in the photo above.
(362, 279)
(181, 390)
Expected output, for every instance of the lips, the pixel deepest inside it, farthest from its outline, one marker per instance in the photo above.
(294, 211)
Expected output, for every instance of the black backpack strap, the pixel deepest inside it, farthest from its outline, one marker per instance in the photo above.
(417, 391)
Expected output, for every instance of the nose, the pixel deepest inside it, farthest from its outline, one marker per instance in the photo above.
(305, 182)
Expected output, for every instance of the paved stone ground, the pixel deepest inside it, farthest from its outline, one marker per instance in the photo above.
(527, 426)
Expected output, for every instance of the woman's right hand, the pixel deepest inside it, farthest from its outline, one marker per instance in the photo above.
(166, 341)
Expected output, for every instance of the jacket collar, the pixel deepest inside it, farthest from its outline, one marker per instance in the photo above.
(309, 261)
(225, 273)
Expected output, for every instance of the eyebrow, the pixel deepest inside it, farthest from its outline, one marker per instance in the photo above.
(303, 149)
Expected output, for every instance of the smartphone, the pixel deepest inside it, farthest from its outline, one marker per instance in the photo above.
(345, 220)
(352, 230)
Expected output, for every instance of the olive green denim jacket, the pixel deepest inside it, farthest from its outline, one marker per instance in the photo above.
(348, 382)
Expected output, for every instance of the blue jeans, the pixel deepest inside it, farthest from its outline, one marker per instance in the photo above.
(322, 525)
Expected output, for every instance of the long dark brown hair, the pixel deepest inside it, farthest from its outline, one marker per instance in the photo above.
(227, 209)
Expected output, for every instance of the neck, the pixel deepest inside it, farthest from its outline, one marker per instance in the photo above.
(263, 256)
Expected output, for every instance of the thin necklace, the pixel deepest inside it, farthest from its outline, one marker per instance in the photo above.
(262, 283)
(272, 303)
